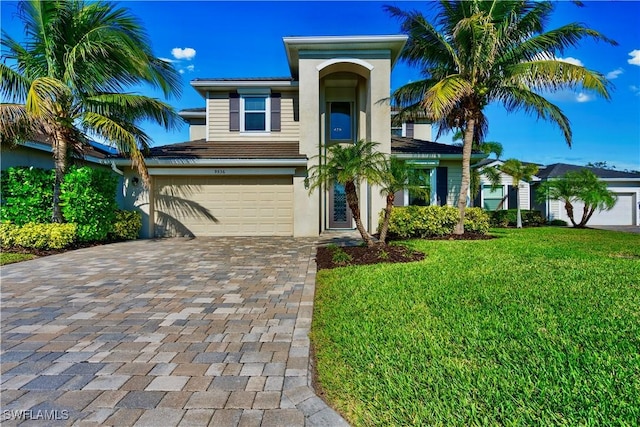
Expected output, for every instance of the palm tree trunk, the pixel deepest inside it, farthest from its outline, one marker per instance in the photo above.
(518, 214)
(387, 217)
(591, 211)
(569, 208)
(587, 211)
(60, 161)
(466, 174)
(354, 205)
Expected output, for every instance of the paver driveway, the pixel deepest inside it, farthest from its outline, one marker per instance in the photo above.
(167, 332)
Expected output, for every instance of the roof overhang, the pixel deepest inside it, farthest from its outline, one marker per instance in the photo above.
(343, 46)
(419, 156)
(49, 149)
(189, 163)
(193, 114)
(205, 85)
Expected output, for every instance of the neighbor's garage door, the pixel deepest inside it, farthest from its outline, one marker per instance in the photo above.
(223, 206)
(623, 213)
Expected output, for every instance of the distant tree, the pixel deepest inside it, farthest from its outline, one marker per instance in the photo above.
(574, 186)
(349, 165)
(519, 172)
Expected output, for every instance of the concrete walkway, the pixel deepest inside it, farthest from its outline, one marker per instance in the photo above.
(170, 332)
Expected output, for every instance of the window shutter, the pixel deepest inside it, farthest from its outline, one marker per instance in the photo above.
(513, 196)
(275, 112)
(442, 189)
(409, 127)
(234, 112)
(477, 201)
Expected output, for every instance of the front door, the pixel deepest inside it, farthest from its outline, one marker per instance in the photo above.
(339, 212)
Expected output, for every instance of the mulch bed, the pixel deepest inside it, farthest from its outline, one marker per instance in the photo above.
(362, 255)
(47, 252)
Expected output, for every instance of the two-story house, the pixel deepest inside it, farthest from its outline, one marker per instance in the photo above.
(251, 146)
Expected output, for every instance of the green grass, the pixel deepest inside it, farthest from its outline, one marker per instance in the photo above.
(538, 327)
(9, 258)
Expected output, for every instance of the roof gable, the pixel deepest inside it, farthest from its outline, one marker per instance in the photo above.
(557, 170)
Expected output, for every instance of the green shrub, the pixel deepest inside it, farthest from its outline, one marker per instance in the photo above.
(8, 232)
(27, 195)
(88, 199)
(38, 236)
(422, 221)
(476, 220)
(557, 223)
(126, 226)
(340, 257)
(508, 218)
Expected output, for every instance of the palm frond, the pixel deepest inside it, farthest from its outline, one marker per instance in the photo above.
(135, 108)
(43, 94)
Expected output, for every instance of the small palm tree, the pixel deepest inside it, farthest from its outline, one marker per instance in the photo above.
(519, 172)
(575, 186)
(67, 82)
(480, 52)
(398, 176)
(349, 165)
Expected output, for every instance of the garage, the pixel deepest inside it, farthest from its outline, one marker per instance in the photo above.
(623, 213)
(223, 205)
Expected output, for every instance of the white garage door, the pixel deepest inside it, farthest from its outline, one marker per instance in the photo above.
(623, 213)
(223, 206)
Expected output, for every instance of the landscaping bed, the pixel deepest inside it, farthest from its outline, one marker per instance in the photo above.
(326, 257)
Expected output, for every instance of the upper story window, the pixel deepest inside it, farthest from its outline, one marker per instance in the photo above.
(341, 122)
(254, 116)
(255, 111)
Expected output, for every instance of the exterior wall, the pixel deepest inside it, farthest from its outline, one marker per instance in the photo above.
(218, 110)
(24, 156)
(454, 180)
(197, 129)
(422, 131)
(135, 197)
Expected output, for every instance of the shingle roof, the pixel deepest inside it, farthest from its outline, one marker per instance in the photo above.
(558, 169)
(403, 145)
(244, 79)
(194, 110)
(202, 149)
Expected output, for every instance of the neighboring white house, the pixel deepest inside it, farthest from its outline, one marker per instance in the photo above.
(490, 196)
(243, 172)
(625, 185)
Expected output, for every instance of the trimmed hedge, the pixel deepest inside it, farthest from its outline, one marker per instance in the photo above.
(433, 221)
(27, 195)
(557, 223)
(508, 218)
(127, 225)
(88, 198)
(37, 236)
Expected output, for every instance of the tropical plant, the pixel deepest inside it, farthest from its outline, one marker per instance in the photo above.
(67, 82)
(582, 185)
(519, 172)
(349, 165)
(398, 175)
(478, 52)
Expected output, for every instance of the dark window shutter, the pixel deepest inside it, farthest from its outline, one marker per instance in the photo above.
(442, 189)
(477, 201)
(513, 196)
(234, 112)
(275, 112)
(409, 128)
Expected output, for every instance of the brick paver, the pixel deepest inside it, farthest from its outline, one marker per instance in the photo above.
(163, 332)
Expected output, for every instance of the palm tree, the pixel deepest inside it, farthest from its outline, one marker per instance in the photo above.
(574, 186)
(478, 52)
(398, 176)
(349, 165)
(519, 172)
(67, 82)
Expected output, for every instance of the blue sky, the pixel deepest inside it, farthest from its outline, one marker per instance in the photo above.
(244, 39)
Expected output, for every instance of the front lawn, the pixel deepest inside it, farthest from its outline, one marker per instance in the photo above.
(540, 326)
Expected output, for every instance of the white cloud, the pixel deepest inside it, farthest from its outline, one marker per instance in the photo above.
(635, 57)
(583, 97)
(635, 89)
(571, 60)
(187, 53)
(181, 71)
(191, 68)
(614, 74)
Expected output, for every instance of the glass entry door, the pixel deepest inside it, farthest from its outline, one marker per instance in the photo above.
(339, 212)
